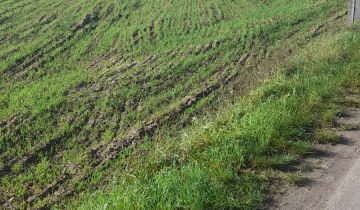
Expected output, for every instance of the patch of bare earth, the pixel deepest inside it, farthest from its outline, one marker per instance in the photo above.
(333, 175)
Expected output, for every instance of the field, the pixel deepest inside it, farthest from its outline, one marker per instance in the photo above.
(105, 103)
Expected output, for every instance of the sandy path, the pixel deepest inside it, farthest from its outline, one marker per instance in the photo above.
(334, 182)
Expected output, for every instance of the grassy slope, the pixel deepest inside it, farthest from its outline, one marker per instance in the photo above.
(79, 85)
(224, 161)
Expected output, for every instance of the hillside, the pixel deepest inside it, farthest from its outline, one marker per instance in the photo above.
(104, 103)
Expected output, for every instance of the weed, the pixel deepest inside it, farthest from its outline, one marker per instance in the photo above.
(294, 179)
(327, 136)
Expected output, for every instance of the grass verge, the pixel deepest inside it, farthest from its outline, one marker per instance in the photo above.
(221, 161)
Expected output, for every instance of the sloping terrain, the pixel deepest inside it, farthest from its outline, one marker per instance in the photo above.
(82, 83)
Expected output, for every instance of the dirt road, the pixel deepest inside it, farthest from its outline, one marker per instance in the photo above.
(334, 179)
